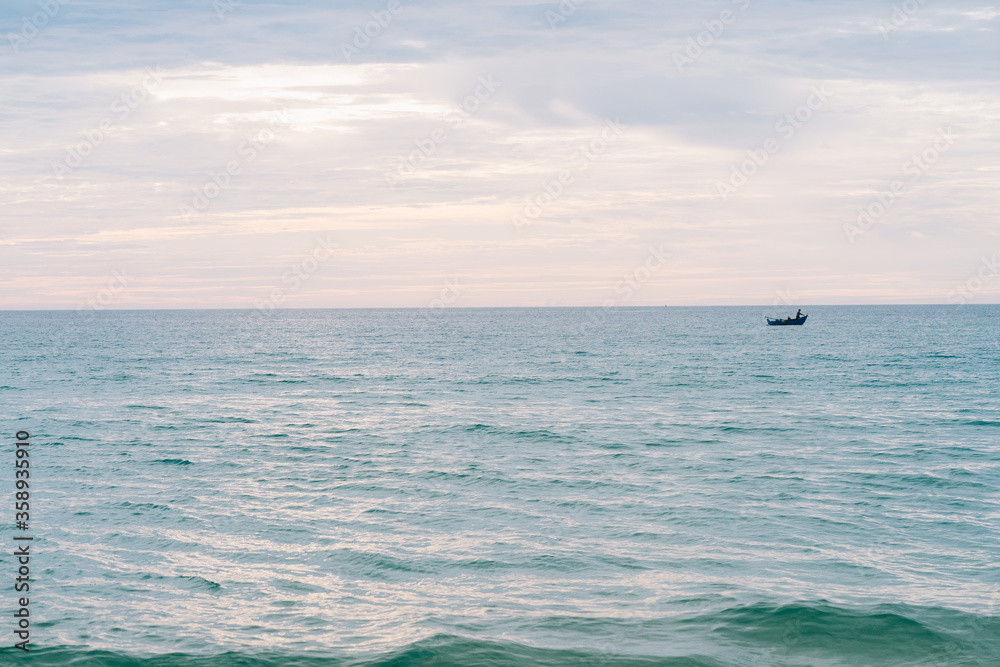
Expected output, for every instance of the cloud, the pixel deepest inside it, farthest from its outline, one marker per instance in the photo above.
(354, 158)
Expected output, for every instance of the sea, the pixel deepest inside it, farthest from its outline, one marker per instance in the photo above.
(462, 487)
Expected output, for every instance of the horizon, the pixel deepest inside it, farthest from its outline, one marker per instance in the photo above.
(461, 308)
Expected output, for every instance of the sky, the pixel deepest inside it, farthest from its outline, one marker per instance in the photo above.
(424, 154)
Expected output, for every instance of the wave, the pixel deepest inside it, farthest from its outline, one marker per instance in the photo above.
(438, 651)
(793, 634)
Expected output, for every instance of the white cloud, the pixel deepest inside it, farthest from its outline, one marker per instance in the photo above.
(350, 123)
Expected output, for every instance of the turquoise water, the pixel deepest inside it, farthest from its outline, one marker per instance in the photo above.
(643, 486)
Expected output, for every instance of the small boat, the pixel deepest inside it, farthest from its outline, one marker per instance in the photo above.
(775, 321)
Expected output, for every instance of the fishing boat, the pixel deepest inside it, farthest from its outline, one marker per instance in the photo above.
(777, 321)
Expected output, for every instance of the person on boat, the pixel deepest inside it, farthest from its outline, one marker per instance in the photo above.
(799, 314)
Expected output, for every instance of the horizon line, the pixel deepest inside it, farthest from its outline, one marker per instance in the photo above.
(425, 308)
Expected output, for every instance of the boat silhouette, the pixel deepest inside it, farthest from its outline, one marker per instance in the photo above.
(777, 321)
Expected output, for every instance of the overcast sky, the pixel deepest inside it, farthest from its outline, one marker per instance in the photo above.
(216, 153)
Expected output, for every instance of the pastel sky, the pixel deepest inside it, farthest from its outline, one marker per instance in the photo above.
(224, 154)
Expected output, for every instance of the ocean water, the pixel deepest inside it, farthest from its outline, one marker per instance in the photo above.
(635, 486)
